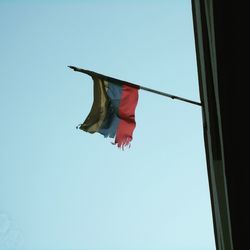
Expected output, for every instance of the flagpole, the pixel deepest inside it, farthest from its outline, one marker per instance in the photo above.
(170, 96)
(114, 80)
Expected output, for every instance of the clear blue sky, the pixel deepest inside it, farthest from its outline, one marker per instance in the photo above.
(63, 189)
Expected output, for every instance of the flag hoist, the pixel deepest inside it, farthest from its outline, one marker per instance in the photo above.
(113, 109)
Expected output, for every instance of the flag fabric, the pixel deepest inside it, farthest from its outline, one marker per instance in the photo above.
(113, 111)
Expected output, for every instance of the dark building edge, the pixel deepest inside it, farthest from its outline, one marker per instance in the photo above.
(211, 21)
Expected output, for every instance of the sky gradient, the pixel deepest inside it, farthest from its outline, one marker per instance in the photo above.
(61, 188)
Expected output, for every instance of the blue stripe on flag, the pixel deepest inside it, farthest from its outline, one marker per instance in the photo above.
(111, 122)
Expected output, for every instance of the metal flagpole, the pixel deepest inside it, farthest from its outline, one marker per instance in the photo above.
(114, 80)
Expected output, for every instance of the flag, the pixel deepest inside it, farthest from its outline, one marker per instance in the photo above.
(113, 110)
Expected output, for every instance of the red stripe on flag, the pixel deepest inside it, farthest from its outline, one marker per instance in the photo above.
(128, 102)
